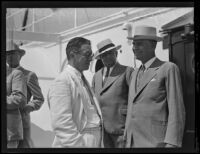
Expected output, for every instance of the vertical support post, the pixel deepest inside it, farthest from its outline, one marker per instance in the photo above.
(75, 18)
(10, 34)
(60, 54)
(33, 28)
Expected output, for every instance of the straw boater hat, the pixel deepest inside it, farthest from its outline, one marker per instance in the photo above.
(145, 33)
(13, 47)
(104, 46)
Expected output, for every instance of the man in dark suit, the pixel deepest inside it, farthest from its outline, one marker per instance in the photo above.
(156, 113)
(111, 84)
(33, 91)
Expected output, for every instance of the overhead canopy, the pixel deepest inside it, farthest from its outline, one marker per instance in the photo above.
(187, 18)
(49, 26)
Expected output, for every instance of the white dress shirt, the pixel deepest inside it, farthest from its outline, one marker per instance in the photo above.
(148, 63)
(105, 70)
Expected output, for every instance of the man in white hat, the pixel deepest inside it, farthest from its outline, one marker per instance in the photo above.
(111, 86)
(33, 91)
(156, 113)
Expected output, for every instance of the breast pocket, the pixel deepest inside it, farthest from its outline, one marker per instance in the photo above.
(155, 90)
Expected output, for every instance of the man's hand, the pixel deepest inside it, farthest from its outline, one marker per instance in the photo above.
(27, 109)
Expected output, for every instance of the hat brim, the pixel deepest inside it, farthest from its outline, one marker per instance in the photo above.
(98, 54)
(155, 38)
(20, 51)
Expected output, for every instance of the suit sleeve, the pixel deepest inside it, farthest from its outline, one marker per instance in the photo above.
(176, 118)
(17, 98)
(36, 92)
(129, 72)
(60, 104)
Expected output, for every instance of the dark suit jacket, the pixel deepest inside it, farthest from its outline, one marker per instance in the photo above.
(156, 112)
(16, 99)
(33, 90)
(113, 97)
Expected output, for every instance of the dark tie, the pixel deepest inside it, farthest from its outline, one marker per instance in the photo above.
(87, 88)
(140, 75)
(106, 76)
(86, 85)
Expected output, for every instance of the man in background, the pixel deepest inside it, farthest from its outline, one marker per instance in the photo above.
(34, 96)
(16, 99)
(75, 113)
(111, 86)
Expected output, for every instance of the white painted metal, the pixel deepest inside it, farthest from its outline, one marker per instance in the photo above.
(101, 20)
(33, 36)
(60, 54)
(33, 27)
(7, 17)
(39, 20)
(75, 18)
(111, 23)
(99, 25)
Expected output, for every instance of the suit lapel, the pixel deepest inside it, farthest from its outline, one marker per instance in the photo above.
(99, 81)
(133, 85)
(149, 74)
(116, 72)
(132, 92)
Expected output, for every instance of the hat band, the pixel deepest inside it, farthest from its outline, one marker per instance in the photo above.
(106, 47)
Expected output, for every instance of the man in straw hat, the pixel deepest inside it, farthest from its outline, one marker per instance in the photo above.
(16, 99)
(33, 91)
(111, 84)
(156, 113)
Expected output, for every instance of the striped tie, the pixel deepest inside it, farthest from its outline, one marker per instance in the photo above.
(140, 75)
(106, 76)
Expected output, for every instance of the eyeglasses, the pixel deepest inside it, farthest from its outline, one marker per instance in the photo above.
(88, 56)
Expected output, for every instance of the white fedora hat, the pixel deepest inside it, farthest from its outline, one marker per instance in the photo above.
(145, 33)
(13, 47)
(104, 46)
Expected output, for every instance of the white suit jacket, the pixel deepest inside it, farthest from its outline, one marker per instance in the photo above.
(66, 99)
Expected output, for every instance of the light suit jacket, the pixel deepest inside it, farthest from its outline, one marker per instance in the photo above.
(113, 97)
(66, 99)
(16, 99)
(34, 91)
(156, 113)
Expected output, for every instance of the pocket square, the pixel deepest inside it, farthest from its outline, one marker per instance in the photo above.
(153, 79)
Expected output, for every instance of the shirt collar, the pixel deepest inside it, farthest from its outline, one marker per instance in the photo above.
(13, 68)
(149, 62)
(73, 69)
(111, 68)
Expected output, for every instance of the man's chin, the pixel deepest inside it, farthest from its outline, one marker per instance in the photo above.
(86, 68)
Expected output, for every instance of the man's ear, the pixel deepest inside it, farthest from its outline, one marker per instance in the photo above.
(72, 53)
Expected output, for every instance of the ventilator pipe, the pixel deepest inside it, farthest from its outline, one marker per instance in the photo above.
(127, 26)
